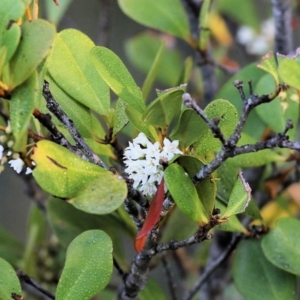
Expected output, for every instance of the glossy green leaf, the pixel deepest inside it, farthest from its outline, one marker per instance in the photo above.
(256, 278)
(232, 224)
(278, 111)
(101, 196)
(185, 129)
(9, 281)
(77, 112)
(115, 74)
(190, 164)
(63, 174)
(10, 11)
(254, 159)
(162, 110)
(142, 50)
(289, 71)
(228, 91)
(21, 108)
(11, 39)
(88, 266)
(239, 198)
(136, 119)
(120, 118)
(151, 75)
(281, 245)
(70, 55)
(35, 44)
(207, 190)
(269, 65)
(184, 193)
(168, 16)
(223, 111)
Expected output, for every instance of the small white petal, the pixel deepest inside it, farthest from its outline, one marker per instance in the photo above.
(28, 171)
(141, 139)
(1, 151)
(17, 164)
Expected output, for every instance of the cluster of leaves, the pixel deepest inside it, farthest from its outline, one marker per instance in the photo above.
(81, 77)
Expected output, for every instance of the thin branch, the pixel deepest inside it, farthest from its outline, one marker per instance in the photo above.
(119, 269)
(230, 149)
(212, 267)
(54, 107)
(213, 125)
(170, 277)
(26, 279)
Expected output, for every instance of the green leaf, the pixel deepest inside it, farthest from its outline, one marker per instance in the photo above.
(185, 129)
(232, 224)
(223, 111)
(101, 196)
(203, 24)
(269, 65)
(289, 71)
(162, 110)
(115, 74)
(21, 108)
(136, 119)
(120, 118)
(35, 44)
(256, 278)
(11, 39)
(151, 75)
(207, 190)
(9, 281)
(184, 193)
(63, 174)
(283, 107)
(167, 16)
(252, 210)
(281, 245)
(239, 197)
(142, 50)
(70, 55)
(88, 266)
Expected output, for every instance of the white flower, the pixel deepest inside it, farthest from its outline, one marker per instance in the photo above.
(17, 164)
(142, 160)
(1, 151)
(28, 171)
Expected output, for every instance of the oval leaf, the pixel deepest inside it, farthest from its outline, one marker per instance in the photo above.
(21, 108)
(239, 198)
(36, 41)
(284, 255)
(102, 195)
(256, 278)
(70, 55)
(9, 281)
(168, 15)
(184, 193)
(116, 75)
(289, 71)
(88, 266)
(62, 173)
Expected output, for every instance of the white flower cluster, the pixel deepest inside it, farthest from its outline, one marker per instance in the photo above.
(13, 159)
(143, 161)
(257, 43)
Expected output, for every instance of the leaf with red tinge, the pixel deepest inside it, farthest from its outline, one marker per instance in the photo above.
(152, 217)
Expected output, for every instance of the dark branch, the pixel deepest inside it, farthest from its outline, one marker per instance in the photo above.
(54, 107)
(26, 279)
(170, 277)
